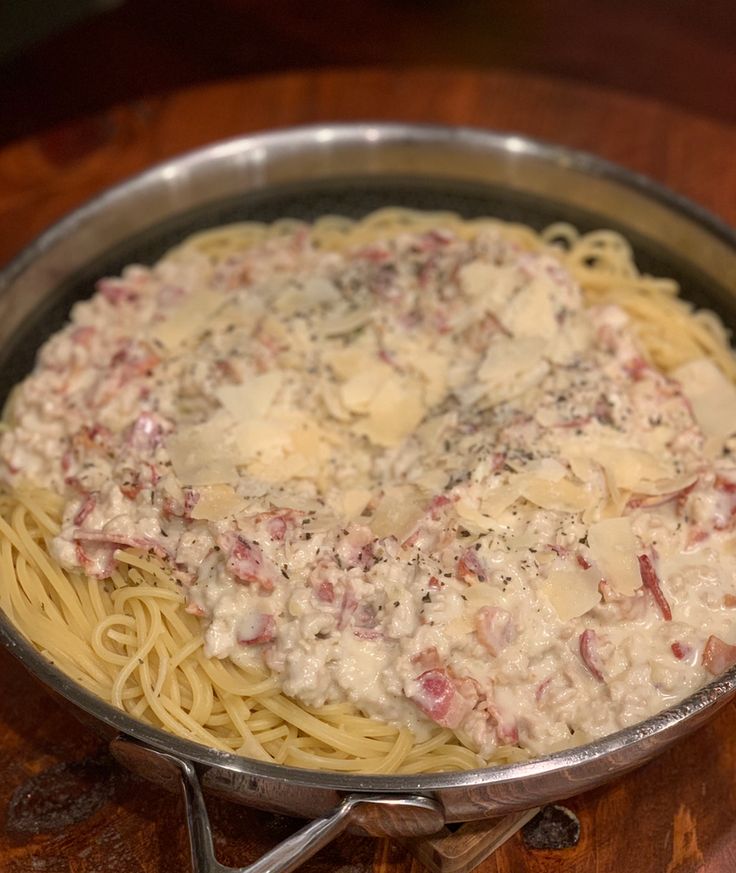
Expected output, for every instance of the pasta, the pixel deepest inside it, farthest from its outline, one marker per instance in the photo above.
(129, 638)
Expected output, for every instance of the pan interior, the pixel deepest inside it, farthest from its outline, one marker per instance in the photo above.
(353, 197)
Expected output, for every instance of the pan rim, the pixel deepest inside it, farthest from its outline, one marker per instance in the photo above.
(707, 698)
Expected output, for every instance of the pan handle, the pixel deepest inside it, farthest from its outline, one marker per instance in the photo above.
(425, 813)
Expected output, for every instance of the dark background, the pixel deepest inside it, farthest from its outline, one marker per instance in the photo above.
(65, 59)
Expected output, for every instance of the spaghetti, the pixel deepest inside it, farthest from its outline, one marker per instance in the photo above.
(121, 614)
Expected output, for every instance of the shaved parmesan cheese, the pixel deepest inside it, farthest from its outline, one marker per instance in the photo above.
(203, 455)
(712, 397)
(531, 312)
(571, 590)
(564, 495)
(497, 500)
(353, 502)
(188, 319)
(217, 502)
(357, 393)
(613, 547)
(511, 367)
(346, 323)
(471, 516)
(491, 284)
(398, 512)
(631, 467)
(349, 361)
(395, 411)
(254, 398)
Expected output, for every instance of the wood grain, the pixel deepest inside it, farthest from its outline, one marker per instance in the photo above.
(66, 808)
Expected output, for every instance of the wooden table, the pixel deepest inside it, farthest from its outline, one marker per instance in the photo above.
(64, 806)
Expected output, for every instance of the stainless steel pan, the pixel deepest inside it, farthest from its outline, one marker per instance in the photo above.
(352, 169)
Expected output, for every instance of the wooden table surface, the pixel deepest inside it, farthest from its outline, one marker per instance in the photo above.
(64, 807)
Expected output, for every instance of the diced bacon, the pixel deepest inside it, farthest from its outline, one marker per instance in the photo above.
(276, 527)
(578, 421)
(87, 507)
(437, 504)
(470, 689)
(116, 540)
(82, 336)
(603, 410)
(262, 630)
(347, 607)
(651, 582)
(651, 501)
(427, 659)
(145, 434)
(582, 561)
(376, 254)
(681, 650)
(98, 562)
(368, 633)
(356, 546)
(365, 616)
(247, 564)
(131, 489)
(729, 601)
(718, 656)
(636, 368)
(433, 239)
(325, 592)
(116, 291)
(194, 609)
(438, 698)
(88, 438)
(470, 568)
(495, 628)
(434, 583)
(542, 688)
(507, 732)
(191, 499)
(695, 536)
(589, 653)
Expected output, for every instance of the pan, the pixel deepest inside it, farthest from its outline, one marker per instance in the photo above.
(352, 170)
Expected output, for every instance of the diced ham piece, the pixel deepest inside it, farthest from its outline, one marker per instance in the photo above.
(356, 547)
(470, 568)
(427, 659)
(261, 629)
(542, 688)
(368, 633)
(82, 336)
(87, 507)
(325, 592)
(439, 699)
(247, 564)
(146, 433)
(718, 656)
(589, 653)
(276, 527)
(365, 616)
(507, 733)
(115, 540)
(437, 505)
(348, 606)
(116, 291)
(98, 561)
(495, 628)
(651, 581)
(681, 650)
